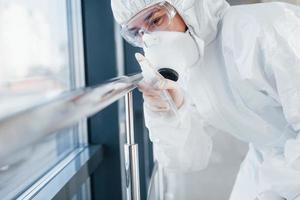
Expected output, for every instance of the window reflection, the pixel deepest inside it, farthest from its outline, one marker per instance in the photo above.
(28, 165)
(34, 48)
(34, 65)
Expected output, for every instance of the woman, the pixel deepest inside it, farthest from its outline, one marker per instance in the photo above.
(239, 74)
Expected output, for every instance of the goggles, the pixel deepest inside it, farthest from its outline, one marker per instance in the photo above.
(154, 18)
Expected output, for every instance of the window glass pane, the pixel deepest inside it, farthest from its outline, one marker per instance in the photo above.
(25, 167)
(33, 51)
(34, 65)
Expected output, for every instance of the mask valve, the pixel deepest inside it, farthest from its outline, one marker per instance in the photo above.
(168, 73)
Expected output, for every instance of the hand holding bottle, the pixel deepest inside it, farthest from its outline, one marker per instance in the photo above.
(160, 94)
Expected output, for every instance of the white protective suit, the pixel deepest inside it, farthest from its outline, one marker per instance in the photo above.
(246, 85)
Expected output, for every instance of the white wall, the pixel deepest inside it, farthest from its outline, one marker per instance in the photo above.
(287, 1)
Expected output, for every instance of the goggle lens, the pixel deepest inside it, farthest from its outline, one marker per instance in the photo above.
(154, 18)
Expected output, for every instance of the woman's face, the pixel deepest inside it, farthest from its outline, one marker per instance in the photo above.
(177, 24)
(156, 22)
(161, 17)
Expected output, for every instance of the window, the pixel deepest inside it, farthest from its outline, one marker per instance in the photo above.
(36, 62)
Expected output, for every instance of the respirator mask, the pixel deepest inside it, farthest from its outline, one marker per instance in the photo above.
(177, 51)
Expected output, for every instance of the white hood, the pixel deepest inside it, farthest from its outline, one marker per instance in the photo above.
(201, 16)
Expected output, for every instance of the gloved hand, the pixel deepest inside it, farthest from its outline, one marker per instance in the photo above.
(152, 94)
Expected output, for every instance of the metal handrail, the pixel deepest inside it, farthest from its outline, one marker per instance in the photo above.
(26, 127)
(131, 154)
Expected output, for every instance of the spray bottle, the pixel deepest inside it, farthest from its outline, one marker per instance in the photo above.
(152, 76)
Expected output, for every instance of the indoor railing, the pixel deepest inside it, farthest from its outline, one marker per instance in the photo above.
(23, 128)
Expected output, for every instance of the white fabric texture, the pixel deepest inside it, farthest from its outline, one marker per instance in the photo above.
(176, 140)
(202, 16)
(172, 49)
(247, 85)
(261, 49)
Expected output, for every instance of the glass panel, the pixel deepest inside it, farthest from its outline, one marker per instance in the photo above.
(34, 52)
(31, 163)
(35, 65)
(83, 192)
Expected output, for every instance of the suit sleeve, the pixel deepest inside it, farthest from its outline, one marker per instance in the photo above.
(180, 143)
(283, 62)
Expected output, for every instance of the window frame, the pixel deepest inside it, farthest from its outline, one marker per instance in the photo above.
(77, 79)
(76, 59)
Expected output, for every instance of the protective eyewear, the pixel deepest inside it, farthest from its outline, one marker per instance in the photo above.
(154, 18)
